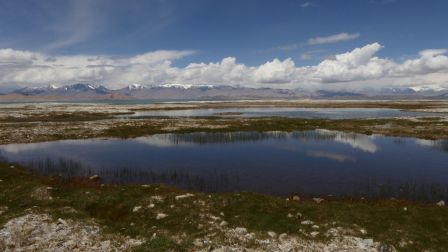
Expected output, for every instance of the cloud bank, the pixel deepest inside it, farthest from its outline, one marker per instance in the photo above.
(360, 67)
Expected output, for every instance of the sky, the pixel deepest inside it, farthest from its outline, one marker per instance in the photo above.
(310, 44)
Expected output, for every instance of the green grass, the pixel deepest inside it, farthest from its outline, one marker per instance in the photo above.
(62, 117)
(428, 128)
(111, 207)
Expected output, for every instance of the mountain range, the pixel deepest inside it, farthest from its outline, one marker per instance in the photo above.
(85, 91)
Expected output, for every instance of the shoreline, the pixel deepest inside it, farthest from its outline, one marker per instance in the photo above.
(136, 212)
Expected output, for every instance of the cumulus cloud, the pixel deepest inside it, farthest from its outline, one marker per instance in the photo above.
(358, 64)
(344, 36)
(357, 67)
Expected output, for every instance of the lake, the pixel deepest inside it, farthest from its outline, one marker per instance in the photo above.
(314, 163)
(309, 113)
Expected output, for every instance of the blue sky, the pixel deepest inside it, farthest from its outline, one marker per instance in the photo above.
(252, 31)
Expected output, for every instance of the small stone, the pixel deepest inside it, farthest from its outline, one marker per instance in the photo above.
(61, 221)
(272, 234)
(151, 205)
(223, 223)
(136, 209)
(363, 231)
(441, 203)
(282, 236)
(290, 215)
(296, 198)
(12, 166)
(307, 222)
(314, 233)
(161, 216)
(198, 243)
(318, 200)
(315, 227)
(94, 177)
(367, 242)
(405, 208)
(188, 195)
(241, 230)
(145, 186)
(298, 215)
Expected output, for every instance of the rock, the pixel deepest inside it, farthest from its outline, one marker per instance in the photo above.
(136, 209)
(188, 195)
(296, 198)
(151, 205)
(282, 236)
(385, 248)
(405, 208)
(315, 227)
(223, 223)
(440, 203)
(157, 198)
(41, 193)
(12, 166)
(363, 231)
(161, 216)
(307, 222)
(39, 232)
(318, 200)
(272, 234)
(62, 222)
(290, 215)
(145, 186)
(198, 243)
(94, 177)
(241, 230)
(314, 233)
(367, 242)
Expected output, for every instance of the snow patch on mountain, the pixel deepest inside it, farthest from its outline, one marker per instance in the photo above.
(428, 88)
(184, 86)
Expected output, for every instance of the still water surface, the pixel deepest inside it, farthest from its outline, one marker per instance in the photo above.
(319, 162)
(309, 113)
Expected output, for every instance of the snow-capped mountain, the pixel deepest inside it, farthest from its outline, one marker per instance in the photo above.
(78, 90)
(188, 91)
(178, 91)
(428, 88)
(135, 86)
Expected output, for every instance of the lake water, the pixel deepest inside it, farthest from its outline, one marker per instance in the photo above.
(327, 113)
(313, 163)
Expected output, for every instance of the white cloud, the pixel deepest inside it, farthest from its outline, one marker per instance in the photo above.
(333, 38)
(360, 67)
(430, 61)
(307, 4)
(359, 64)
(275, 71)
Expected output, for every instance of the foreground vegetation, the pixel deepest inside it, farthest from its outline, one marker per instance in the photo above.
(167, 218)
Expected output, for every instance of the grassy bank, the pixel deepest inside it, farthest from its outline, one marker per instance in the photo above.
(425, 128)
(169, 218)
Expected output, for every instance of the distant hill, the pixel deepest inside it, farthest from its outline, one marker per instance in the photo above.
(85, 91)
